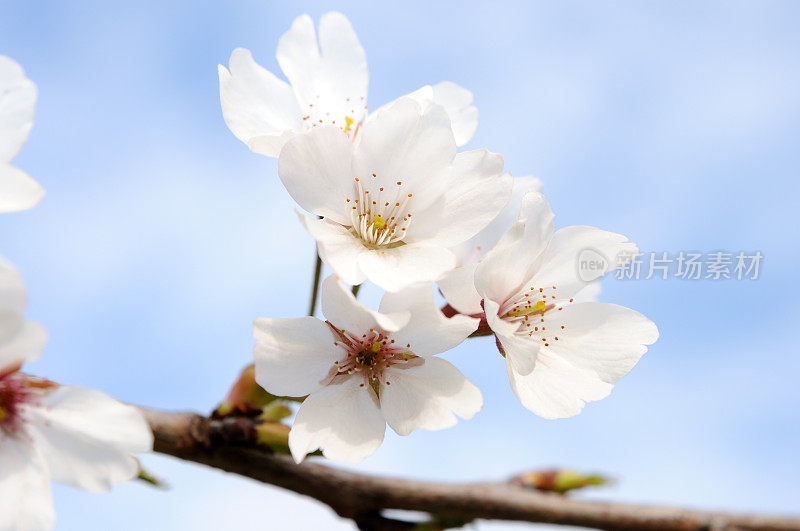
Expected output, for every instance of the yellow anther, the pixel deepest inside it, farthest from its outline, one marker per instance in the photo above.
(348, 124)
(538, 307)
(3, 414)
(375, 346)
(379, 222)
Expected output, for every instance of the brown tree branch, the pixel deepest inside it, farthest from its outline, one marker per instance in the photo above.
(229, 444)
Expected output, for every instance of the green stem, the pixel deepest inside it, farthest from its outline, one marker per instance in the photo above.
(355, 290)
(315, 286)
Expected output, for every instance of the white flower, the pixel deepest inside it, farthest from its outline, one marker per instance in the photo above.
(328, 87)
(72, 435)
(393, 204)
(560, 352)
(363, 369)
(17, 100)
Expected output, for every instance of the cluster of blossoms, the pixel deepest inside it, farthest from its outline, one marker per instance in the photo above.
(69, 434)
(392, 201)
(389, 199)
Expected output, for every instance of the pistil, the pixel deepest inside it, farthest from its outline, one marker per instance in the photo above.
(538, 307)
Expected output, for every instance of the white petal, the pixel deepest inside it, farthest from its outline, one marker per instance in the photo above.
(13, 296)
(342, 54)
(11, 323)
(458, 287)
(26, 503)
(428, 396)
(599, 344)
(521, 352)
(338, 248)
(315, 169)
(294, 357)
(457, 101)
(429, 331)
(17, 105)
(394, 269)
(87, 437)
(330, 79)
(423, 96)
(13, 300)
(298, 52)
(257, 105)
(559, 266)
(477, 246)
(475, 194)
(517, 255)
(606, 339)
(405, 144)
(590, 293)
(270, 145)
(342, 419)
(341, 308)
(23, 347)
(17, 190)
(555, 389)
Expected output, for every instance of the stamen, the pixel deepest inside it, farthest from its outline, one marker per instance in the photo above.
(376, 221)
(369, 356)
(525, 313)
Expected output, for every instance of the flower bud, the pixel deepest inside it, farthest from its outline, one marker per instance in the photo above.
(559, 481)
(246, 397)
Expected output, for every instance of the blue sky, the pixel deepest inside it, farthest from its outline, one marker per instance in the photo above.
(161, 236)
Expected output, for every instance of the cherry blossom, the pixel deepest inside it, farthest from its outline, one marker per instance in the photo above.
(362, 369)
(80, 437)
(328, 82)
(560, 352)
(393, 205)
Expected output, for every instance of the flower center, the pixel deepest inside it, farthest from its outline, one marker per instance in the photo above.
(347, 111)
(528, 309)
(370, 355)
(379, 217)
(13, 393)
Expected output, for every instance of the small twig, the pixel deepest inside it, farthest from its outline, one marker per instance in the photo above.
(229, 445)
(483, 326)
(315, 286)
